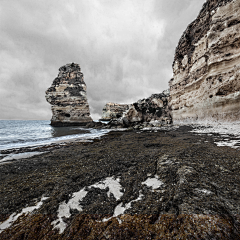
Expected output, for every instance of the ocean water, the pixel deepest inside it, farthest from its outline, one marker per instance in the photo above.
(19, 133)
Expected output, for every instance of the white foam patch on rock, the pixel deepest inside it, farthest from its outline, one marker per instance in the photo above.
(113, 185)
(20, 156)
(204, 191)
(166, 128)
(118, 129)
(154, 183)
(228, 143)
(74, 203)
(64, 209)
(6, 224)
(120, 208)
(224, 129)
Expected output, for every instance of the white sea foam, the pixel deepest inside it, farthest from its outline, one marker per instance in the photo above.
(224, 129)
(113, 185)
(6, 224)
(64, 209)
(114, 188)
(204, 191)
(154, 183)
(229, 143)
(165, 128)
(19, 156)
(19, 134)
(45, 137)
(74, 203)
(120, 208)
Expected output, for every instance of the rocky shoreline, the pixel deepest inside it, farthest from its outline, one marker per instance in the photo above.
(146, 178)
(174, 184)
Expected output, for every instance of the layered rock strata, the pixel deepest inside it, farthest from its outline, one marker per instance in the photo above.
(68, 98)
(152, 110)
(114, 110)
(206, 68)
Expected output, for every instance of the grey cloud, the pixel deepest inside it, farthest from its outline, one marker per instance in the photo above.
(125, 49)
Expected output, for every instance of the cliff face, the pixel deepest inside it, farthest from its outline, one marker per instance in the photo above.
(206, 68)
(67, 95)
(114, 110)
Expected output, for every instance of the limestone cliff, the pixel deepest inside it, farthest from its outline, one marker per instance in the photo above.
(114, 110)
(68, 98)
(206, 68)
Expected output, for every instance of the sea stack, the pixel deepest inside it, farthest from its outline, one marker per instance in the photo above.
(68, 98)
(206, 68)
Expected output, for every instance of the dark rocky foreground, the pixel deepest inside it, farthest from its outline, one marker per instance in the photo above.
(199, 198)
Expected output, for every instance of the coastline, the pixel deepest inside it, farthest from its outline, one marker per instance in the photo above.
(199, 181)
(16, 150)
(229, 135)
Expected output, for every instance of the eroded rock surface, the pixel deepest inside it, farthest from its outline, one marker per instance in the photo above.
(152, 109)
(114, 110)
(166, 184)
(206, 82)
(68, 98)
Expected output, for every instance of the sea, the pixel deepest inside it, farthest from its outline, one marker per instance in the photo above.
(17, 134)
(23, 138)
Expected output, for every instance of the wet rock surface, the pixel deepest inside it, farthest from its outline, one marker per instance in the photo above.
(206, 65)
(68, 98)
(174, 185)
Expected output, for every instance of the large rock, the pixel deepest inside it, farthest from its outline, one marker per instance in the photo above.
(206, 80)
(114, 110)
(68, 98)
(152, 109)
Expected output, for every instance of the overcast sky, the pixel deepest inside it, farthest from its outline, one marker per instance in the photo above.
(125, 49)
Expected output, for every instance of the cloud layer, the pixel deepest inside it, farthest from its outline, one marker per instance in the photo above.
(125, 49)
